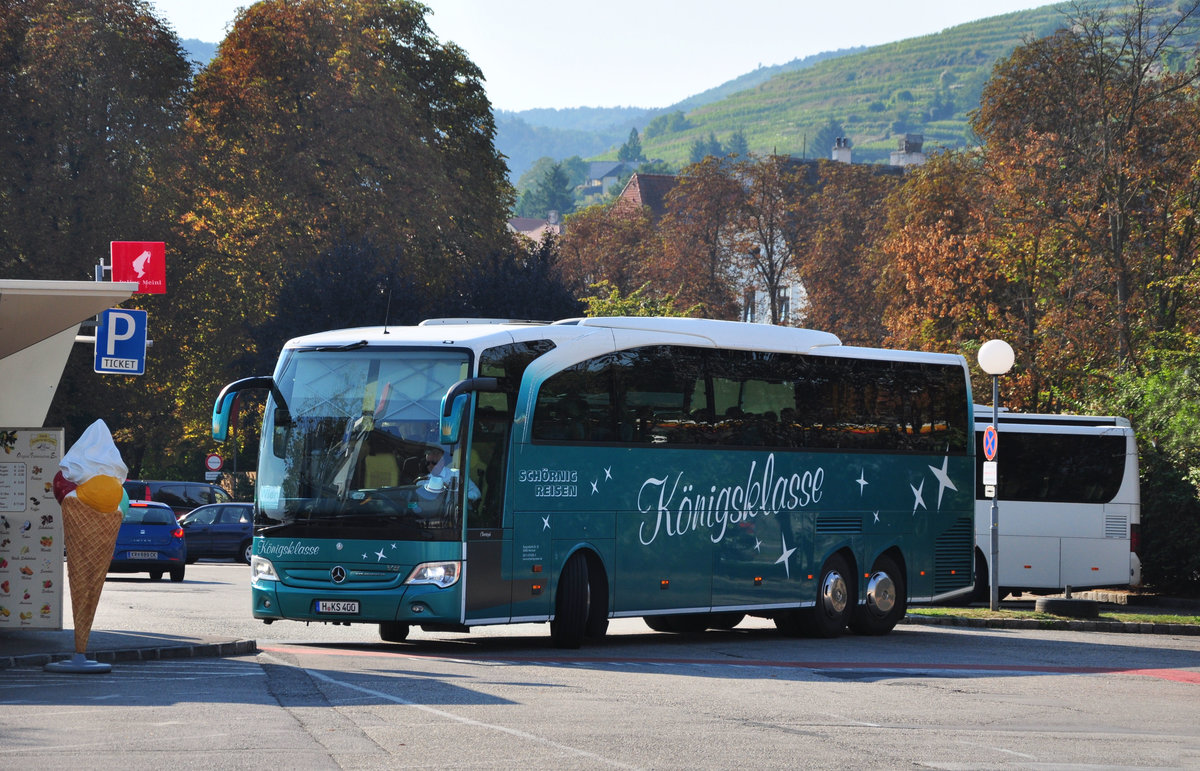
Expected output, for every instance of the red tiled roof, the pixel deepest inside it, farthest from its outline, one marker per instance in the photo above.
(646, 190)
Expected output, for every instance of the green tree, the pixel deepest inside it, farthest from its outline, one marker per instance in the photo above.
(823, 141)
(608, 300)
(702, 148)
(737, 144)
(631, 151)
(323, 122)
(553, 193)
(91, 96)
(668, 123)
(91, 92)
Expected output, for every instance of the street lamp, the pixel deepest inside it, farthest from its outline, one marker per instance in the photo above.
(995, 358)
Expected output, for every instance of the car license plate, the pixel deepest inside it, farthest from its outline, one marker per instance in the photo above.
(143, 555)
(337, 606)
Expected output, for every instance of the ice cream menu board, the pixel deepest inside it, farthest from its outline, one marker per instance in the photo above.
(31, 531)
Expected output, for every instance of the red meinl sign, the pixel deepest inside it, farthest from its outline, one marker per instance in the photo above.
(143, 262)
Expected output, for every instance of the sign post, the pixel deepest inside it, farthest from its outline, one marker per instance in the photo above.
(213, 464)
(140, 261)
(121, 342)
(995, 358)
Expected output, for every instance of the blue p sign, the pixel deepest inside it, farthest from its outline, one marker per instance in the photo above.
(121, 342)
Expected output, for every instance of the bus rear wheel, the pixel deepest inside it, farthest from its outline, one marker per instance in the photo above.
(886, 600)
(572, 604)
(835, 599)
(393, 631)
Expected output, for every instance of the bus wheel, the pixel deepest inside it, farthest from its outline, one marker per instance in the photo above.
(886, 600)
(393, 631)
(835, 599)
(572, 605)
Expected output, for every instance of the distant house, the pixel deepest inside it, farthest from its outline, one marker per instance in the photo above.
(910, 151)
(535, 228)
(602, 175)
(646, 190)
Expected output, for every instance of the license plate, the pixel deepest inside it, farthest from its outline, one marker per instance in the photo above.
(143, 555)
(337, 606)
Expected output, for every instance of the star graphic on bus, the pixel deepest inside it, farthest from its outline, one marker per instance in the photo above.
(787, 553)
(546, 522)
(380, 555)
(595, 488)
(918, 492)
(862, 481)
(876, 513)
(757, 545)
(943, 479)
(608, 474)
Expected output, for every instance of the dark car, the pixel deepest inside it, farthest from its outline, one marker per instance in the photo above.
(150, 541)
(182, 497)
(219, 530)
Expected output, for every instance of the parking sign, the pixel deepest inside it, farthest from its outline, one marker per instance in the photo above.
(121, 342)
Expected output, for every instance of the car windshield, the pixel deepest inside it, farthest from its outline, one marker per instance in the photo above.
(359, 455)
(148, 515)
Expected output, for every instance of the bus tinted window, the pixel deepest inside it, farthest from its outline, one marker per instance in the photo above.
(1056, 468)
(676, 395)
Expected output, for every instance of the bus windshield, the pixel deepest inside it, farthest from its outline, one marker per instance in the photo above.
(358, 454)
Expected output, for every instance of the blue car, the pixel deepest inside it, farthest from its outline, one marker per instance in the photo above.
(150, 541)
(222, 530)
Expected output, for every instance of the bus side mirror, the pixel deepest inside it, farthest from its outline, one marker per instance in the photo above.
(223, 407)
(454, 405)
(220, 416)
(451, 426)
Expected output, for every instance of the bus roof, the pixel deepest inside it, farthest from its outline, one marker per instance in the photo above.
(482, 333)
(983, 417)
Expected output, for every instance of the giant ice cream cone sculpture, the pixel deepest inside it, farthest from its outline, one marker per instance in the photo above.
(91, 475)
(90, 537)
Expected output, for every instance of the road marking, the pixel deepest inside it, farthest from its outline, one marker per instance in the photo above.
(451, 716)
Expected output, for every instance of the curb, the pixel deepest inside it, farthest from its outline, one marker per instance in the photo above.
(1055, 624)
(200, 650)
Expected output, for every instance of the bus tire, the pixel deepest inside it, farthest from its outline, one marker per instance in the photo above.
(886, 601)
(835, 599)
(597, 623)
(393, 631)
(572, 604)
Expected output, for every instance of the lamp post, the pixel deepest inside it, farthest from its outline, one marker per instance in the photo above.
(995, 358)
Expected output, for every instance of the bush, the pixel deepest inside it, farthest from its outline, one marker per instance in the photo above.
(1170, 549)
(1163, 404)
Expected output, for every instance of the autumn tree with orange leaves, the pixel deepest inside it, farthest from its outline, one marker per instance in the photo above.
(840, 269)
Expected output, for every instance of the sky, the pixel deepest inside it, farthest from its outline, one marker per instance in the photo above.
(638, 53)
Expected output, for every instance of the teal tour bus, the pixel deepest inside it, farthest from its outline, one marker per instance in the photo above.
(689, 472)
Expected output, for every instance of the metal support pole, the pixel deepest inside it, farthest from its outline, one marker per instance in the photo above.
(994, 563)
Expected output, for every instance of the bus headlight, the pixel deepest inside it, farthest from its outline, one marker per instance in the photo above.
(442, 574)
(261, 569)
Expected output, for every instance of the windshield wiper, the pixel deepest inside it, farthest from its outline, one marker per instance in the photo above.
(346, 347)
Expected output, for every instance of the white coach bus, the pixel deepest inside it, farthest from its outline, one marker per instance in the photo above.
(1069, 503)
